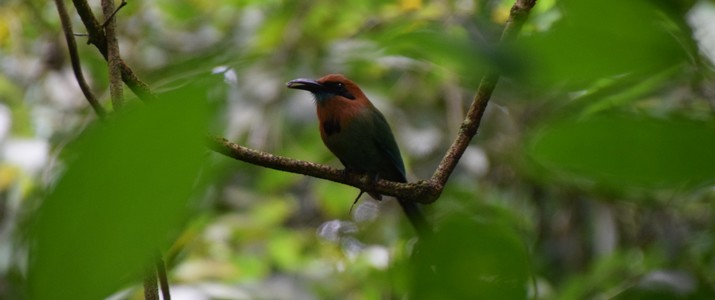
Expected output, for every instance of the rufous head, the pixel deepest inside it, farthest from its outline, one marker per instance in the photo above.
(329, 87)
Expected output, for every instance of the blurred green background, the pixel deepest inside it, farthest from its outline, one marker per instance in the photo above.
(591, 177)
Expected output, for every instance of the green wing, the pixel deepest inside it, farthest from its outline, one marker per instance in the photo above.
(385, 142)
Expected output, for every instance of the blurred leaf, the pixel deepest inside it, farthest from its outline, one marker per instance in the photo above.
(598, 39)
(630, 150)
(468, 259)
(335, 199)
(272, 181)
(622, 91)
(451, 49)
(250, 266)
(126, 188)
(668, 284)
(608, 273)
(305, 144)
(324, 24)
(12, 96)
(176, 11)
(285, 247)
(271, 212)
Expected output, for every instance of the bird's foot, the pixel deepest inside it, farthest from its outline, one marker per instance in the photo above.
(347, 171)
(373, 178)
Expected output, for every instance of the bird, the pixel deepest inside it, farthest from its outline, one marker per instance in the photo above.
(358, 134)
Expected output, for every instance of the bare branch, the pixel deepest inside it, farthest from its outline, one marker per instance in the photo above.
(421, 191)
(470, 126)
(98, 39)
(114, 12)
(135, 84)
(94, 29)
(113, 57)
(151, 289)
(74, 57)
(163, 279)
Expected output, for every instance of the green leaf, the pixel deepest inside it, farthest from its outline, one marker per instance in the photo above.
(452, 50)
(285, 249)
(334, 198)
(125, 190)
(630, 150)
(620, 92)
(597, 39)
(470, 259)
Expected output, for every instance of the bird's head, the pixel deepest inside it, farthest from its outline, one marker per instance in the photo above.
(328, 87)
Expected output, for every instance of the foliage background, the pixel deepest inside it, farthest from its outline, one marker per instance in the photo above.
(590, 178)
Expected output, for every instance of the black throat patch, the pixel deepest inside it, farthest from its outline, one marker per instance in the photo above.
(331, 126)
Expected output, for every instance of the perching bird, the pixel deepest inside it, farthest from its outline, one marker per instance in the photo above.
(358, 134)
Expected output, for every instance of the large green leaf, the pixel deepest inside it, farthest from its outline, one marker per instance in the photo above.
(125, 188)
(598, 39)
(471, 259)
(450, 50)
(630, 150)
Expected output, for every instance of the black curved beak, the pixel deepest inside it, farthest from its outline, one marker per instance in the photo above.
(305, 84)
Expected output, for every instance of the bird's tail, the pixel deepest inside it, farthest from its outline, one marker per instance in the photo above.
(412, 211)
(416, 218)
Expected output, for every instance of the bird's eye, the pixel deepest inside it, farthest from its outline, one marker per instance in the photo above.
(339, 88)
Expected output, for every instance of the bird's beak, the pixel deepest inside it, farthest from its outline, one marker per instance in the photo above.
(305, 84)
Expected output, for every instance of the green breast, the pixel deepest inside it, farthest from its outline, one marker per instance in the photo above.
(365, 144)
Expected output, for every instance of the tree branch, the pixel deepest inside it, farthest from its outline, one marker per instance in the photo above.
(470, 126)
(151, 288)
(98, 39)
(74, 57)
(113, 57)
(114, 12)
(163, 279)
(423, 191)
(95, 33)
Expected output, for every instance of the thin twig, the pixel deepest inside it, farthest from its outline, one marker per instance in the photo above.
(98, 39)
(74, 57)
(138, 87)
(94, 29)
(113, 57)
(114, 12)
(163, 279)
(151, 289)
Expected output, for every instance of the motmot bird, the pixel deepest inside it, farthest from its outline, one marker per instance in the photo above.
(359, 135)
